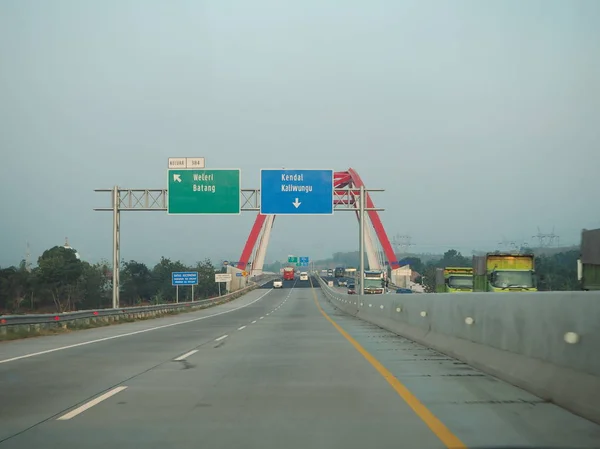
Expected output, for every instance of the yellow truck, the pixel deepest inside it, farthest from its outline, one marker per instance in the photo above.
(454, 280)
(504, 272)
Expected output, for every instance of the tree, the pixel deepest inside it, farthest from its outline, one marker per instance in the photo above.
(62, 282)
(428, 277)
(453, 258)
(161, 274)
(136, 283)
(273, 267)
(94, 286)
(59, 270)
(15, 286)
(558, 272)
(206, 279)
(350, 259)
(415, 263)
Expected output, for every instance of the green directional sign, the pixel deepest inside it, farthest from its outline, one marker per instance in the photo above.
(293, 259)
(213, 191)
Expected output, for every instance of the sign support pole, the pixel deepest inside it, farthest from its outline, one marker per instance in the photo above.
(361, 243)
(116, 247)
(219, 284)
(177, 294)
(156, 200)
(192, 293)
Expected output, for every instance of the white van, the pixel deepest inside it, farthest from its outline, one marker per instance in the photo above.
(304, 276)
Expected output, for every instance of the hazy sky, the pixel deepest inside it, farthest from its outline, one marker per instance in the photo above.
(480, 119)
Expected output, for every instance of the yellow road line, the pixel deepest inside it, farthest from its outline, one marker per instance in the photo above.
(450, 440)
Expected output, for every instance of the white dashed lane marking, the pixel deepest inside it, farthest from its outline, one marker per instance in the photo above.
(186, 355)
(127, 334)
(90, 404)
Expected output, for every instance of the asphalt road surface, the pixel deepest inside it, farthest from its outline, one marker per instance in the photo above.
(274, 369)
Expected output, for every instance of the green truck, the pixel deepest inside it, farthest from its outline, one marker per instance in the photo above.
(454, 280)
(588, 266)
(374, 282)
(504, 272)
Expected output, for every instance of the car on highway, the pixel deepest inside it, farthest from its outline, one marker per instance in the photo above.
(278, 283)
(304, 276)
(351, 289)
(329, 272)
(342, 282)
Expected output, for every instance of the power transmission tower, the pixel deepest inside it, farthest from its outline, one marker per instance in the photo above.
(546, 240)
(401, 243)
(507, 245)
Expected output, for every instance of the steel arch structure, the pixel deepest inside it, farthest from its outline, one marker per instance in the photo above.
(260, 232)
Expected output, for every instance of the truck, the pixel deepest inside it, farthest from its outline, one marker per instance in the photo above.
(374, 282)
(288, 273)
(454, 280)
(588, 265)
(339, 272)
(504, 272)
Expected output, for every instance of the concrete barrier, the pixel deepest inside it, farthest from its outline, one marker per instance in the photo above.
(547, 343)
(238, 281)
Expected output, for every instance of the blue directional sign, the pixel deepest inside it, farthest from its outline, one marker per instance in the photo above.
(184, 278)
(296, 192)
(303, 260)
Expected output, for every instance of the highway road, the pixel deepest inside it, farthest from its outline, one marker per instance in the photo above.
(273, 369)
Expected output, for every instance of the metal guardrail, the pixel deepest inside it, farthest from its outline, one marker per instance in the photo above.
(25, 319)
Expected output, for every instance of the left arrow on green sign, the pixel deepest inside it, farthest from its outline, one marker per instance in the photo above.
(213, 191)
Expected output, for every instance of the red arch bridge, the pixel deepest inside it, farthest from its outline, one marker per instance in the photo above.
(346, 195)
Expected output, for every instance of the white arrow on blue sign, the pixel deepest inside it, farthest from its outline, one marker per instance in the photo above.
(184, 278)
(296, 192)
